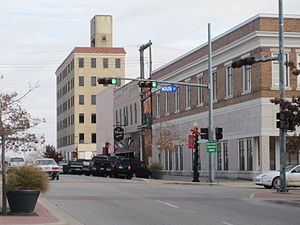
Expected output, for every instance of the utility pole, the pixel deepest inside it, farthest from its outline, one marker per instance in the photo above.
(142, 76)
(282, 132)
(210, 108)
(4, 207)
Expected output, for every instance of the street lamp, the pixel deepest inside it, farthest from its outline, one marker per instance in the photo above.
(196, 133)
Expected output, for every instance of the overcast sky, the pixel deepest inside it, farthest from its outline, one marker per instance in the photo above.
(37, 35)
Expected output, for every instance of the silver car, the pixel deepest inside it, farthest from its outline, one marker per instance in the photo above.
(271, 179)
(49, 166)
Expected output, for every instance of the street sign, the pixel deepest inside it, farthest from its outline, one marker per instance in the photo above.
(119, 133)
(211, 146)
(168, 88)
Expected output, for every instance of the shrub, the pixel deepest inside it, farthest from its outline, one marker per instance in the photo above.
(156, 166)
(27, 178)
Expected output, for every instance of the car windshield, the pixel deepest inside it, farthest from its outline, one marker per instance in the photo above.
(16, 160)
(289, 168)
(45, 162)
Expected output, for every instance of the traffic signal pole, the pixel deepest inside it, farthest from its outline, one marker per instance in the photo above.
(210, 108)
(282, 132)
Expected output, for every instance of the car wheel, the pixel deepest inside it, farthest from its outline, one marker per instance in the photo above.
(267, 187)
(276, 183)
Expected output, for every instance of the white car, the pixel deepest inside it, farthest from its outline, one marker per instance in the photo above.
(271, 179)
(49, 166)
(16, 162)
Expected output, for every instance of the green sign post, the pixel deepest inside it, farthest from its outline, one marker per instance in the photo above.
(211, 146)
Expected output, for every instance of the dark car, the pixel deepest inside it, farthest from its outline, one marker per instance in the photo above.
(64, 167)
(100, 166)
(86, 167)
(126, 167)
(76, 166)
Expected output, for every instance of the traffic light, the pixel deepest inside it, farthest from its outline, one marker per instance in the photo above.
(243, 62)
(219, 133)
(283, 122)
(148, 84)
(204, 133)
(106, 81)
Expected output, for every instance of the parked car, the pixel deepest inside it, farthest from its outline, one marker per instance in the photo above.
(49, 166)
(100, 166)
(16, 162)
(271, 179)
(86, 167)
(64, 167)
(126, 167)
(76, 166)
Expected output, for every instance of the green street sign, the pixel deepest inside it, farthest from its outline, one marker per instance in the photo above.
(211, 146)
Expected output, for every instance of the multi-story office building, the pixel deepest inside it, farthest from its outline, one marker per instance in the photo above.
(241, 105)
(77, 88)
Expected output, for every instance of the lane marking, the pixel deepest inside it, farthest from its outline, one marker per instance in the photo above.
(226, 223)
(166, 203)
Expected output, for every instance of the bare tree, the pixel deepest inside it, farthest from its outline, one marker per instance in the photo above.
(167, 138)
(15, 125)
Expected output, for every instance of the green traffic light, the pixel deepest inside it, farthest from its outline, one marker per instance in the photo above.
(154, 84)
(114, 81)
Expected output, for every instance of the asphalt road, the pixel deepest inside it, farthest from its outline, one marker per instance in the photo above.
(108, 201)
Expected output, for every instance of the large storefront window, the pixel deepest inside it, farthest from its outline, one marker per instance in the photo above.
(245, 154)
(222, 156)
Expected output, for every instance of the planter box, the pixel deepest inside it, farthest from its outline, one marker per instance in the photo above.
(157, 174)
(22, 201)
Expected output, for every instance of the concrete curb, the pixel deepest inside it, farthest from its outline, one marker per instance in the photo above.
(64, 217)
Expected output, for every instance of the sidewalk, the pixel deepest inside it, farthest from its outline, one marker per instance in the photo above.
(46, 213)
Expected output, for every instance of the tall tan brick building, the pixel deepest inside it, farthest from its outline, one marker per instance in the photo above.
(77, 87)
(241, 100)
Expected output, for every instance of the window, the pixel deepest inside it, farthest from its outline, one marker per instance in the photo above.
(117, 119)
(81, 118)
(246, 78)
(135, 113)
(103, 38)
(222, 156)
(105, 63)
(81, 99)
(214, 75)
(93, 118)
(158, 105)
(167, 103)
(93, 81)
(93, 137)
(200, 92)
(249, 155)
(275, 72)
(81, 81)
(81, 62)
(181, 157)
(93, 99)
(187, 97)
(170, 161)
(81, 138)
(120, 116)
(93, 62)
(245, 154)
(177, 100)
(118, 63)
(166, 160)
(229, 81)
(131, 120)
(298, 67)
(176, 158)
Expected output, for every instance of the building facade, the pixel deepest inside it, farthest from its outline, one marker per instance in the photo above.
(77, 88)
(241, 102)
